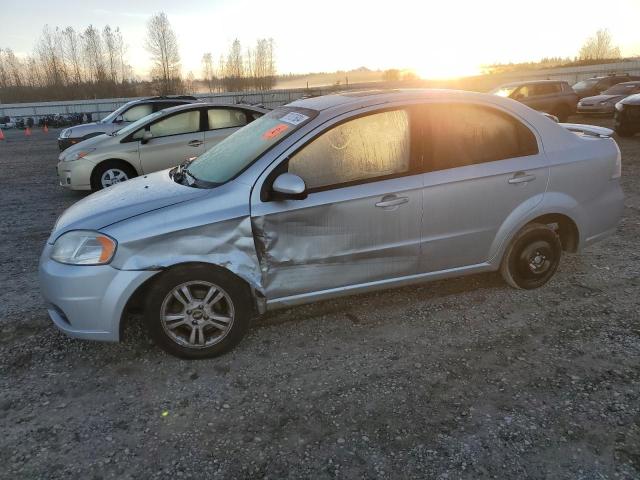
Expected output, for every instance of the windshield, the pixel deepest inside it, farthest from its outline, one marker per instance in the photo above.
(585, 84)
(505, 90)
(236, 152)
(112, 116)
(132, 127)
(622, 89)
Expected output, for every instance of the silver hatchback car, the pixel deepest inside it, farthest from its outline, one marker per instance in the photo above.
(330, 196)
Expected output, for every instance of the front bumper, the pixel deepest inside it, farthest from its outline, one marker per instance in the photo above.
(596, 109)
(64, 143)
(87, 301)
(75, 175)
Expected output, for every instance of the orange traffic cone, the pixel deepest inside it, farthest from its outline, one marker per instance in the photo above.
(27, 132)
(1, 135)
(45, 129)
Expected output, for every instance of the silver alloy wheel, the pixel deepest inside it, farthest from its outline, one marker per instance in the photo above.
(113, 176)
(197, 314)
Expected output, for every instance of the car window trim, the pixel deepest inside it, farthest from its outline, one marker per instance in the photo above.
(415, 154)
(147, 127)
(427, 153)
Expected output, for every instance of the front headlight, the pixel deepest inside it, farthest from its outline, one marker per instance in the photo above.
(78, 155)
(619, 106)
(66, 133)
(83, 247)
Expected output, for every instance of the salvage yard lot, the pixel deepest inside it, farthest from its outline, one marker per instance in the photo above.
(463, 378)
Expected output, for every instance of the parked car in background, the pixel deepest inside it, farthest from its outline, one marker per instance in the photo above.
(627, 116)
(7, 122)
(331, 196)
(161, 140)
(550, 96)
(121, 117)
(604, 104)
(596, 85)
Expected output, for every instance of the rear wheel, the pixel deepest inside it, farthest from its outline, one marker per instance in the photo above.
(532, 257)
(111, 173)
(624, 132)
(195, 311)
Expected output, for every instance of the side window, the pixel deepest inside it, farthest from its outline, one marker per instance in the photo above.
(458, 135)
(546, 88)
(524, 92)
(369, 147)
(187, 122)
(226, 118)
(137, 112)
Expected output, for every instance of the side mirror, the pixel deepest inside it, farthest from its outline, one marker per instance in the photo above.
(119, 119)
(289, 186)
(146, 136)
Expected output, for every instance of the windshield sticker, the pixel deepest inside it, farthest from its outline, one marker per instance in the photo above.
(294, 118)
(275, 131)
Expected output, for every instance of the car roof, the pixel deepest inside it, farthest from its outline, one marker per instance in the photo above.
(361, 99)
(634, 82)
(195, 105)
(530, 82)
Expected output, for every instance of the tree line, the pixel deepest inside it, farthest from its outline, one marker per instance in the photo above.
(91, 63)
(68, 64)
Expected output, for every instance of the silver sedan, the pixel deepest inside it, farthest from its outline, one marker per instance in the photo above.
(332, 196)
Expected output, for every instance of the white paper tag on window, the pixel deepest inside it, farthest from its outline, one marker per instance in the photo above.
(294, 118)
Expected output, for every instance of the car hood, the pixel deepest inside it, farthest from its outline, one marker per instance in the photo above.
(602, 98)
(88, 128)
(120, 202)
(93, 142)
(632, 99)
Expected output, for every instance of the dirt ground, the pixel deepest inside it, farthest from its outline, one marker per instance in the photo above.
(463, 378)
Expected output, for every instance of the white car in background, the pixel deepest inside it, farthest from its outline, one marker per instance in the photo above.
(158, 141)
(121, 117)
(7, 123)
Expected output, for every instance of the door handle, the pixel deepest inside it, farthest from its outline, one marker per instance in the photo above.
(391, 201)
(195, 143)
(521, 177)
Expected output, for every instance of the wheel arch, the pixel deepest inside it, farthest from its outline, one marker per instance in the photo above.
(555, 209)
(135, 303)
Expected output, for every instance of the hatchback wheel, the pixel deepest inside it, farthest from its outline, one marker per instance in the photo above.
(532, 257)
(194, 311)
(111, 173)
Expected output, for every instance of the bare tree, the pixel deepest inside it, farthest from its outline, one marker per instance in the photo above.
(51, 57)
(72, 50)
(4, 76)
(162, 44)
(234, 68)
(599, 47)
(111, 52)
(94, 55)
(207, 70)
(14, 68)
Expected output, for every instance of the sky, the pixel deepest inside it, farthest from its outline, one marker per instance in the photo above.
(437, 39)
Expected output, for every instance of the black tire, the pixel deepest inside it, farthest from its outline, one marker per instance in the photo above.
(561, 112)
(532, 257)
(171, 334)
(623, 132)
(111, 165)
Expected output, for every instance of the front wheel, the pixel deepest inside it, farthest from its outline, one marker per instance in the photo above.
(111, 173)
(195, 311)
(532, 257)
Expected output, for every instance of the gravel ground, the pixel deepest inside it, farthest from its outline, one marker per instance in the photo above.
(463, 378)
